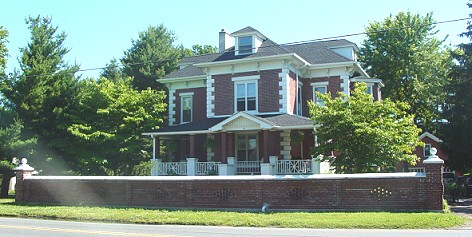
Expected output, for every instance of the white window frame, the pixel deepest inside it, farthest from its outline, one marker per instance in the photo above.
(300, 99)
(319, 85)
(246, 80)
(238, 52)
(182, 96)
(424, 149)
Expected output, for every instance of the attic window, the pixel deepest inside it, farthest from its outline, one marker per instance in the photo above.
(245, 45)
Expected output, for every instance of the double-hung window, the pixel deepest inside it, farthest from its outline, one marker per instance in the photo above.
(245, 93)
(319, 87)
(186, 107)
(245, 45)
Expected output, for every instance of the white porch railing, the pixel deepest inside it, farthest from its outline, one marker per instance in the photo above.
(248, 167)
(293, 167)
(171, 168)
(416, 169)
(207, 168)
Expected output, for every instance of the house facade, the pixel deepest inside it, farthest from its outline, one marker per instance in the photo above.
(247, 105)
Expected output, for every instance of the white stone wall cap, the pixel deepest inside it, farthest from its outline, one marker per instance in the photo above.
(433, 160)
(23, 167)
(237, 177)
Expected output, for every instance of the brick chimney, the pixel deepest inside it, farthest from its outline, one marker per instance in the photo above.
(225, 40)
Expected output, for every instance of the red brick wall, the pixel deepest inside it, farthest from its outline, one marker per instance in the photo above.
(268, 91)
(308, 193)
(199, 103)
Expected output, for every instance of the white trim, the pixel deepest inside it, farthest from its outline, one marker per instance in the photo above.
(245, 82)
(368, 80)
(176, 133)
(246, 60)
(180, 79)
(427, 134)
(319, 84)
(246, 78)
(186, 94)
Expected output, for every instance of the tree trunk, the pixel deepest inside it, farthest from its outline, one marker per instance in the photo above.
(5, 186)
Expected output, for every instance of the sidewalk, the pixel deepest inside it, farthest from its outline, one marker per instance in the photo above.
(463, 208)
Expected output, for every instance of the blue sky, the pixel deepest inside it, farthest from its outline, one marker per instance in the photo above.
(102, 29)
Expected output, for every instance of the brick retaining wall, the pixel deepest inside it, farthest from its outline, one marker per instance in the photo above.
(396, 191)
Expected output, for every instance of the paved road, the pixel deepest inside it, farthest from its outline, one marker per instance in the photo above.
(12, 227)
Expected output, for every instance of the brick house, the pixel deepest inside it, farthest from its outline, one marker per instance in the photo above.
(247, 105)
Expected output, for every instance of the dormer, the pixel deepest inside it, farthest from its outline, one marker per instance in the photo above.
(347, 51)
(247, 41)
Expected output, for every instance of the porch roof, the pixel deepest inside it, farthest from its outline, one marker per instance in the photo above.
(210, 125)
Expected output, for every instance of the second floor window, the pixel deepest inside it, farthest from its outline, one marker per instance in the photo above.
(245, 45)
(319, 89)
(246, 96)
(186, 103)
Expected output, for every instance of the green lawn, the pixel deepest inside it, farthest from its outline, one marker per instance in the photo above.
(369, 220)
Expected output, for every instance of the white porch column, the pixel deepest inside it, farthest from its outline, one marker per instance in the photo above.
(192, 166)
(271, 167)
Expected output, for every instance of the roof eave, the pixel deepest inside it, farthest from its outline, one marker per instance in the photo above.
(179, 79)
(248, 60)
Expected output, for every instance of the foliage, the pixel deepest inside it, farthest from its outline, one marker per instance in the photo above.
(142, 169)
(203, 49)
(367, 134)
(327, 220)
(403, 52)
(42, 90)
(456, 133)
(112, 71)
(108, 123)
(3, 49)
(152, 56)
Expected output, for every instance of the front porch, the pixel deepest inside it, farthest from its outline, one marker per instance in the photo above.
(242, 144)
(192, 167)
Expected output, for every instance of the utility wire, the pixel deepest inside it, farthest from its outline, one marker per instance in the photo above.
(268, 46)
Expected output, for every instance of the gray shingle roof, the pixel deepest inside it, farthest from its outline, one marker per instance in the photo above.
(246, 29)
(276, 120)
(314, 53)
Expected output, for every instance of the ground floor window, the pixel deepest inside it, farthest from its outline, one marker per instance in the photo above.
(246, 147)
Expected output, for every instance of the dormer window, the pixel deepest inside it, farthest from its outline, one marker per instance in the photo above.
(244, 45)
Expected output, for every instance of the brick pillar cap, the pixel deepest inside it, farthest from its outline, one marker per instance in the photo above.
(433, 158)
(24, 166)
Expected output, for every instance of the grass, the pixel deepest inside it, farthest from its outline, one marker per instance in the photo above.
(367, 220)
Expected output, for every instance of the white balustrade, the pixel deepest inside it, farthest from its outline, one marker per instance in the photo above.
(172, 168)
(207, 168)
(248, 167)
(293, 167)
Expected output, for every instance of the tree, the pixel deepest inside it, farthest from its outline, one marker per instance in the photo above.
(152, 56)
(11, 145)
(3, 50)
(112, 71)
(365, 135)
(108, 123)
(46, 83)
(203, 49)
(457, 132)
(403, 52)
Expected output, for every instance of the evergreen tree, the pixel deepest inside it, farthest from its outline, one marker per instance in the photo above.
(457, 132)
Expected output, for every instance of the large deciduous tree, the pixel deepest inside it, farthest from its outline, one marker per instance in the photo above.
(109, 121)
(364, 134)
(152, 56)
(457, 132)
(404, 52)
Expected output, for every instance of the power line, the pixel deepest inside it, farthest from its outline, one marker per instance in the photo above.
(276, 45)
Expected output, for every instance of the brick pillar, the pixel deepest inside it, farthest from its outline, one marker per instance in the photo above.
(21, 172)
(434, 181)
